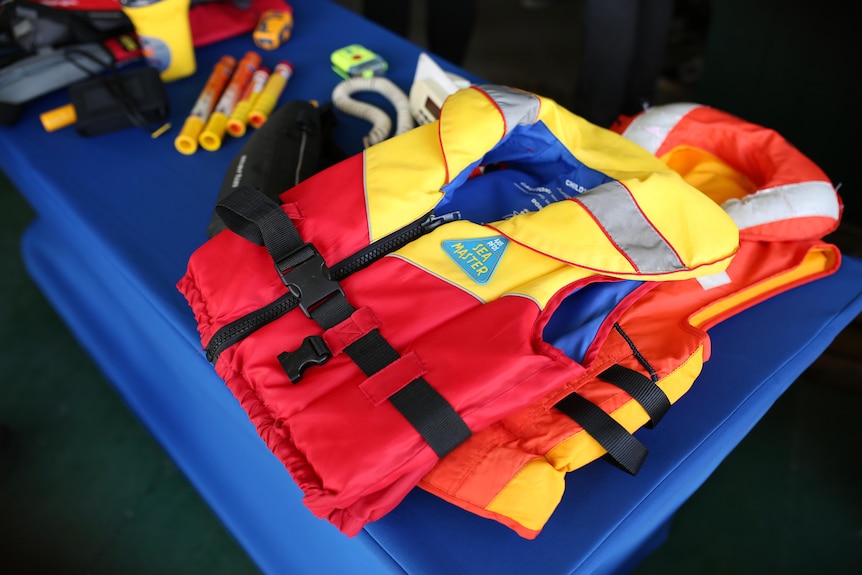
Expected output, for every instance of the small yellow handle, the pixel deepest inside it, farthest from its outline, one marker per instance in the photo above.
(58, 118)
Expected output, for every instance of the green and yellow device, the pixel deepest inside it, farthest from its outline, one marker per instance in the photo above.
(356, 61)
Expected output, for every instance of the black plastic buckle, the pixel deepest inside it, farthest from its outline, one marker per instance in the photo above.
(312, 351)
(308, 278)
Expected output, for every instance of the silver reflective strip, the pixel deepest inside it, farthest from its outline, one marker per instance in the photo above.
(650, 128)
(714, 280)
(783, 203)
(519, 108)
(615, 209)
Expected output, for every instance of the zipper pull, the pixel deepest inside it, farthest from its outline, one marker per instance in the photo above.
(434, 222)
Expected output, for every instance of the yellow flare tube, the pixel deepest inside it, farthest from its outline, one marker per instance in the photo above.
(271, 93)
(187, 141)
(213, 133)
(236, 124)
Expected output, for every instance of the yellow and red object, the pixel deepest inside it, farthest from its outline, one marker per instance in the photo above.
(236, 125)
(267, 100)
(187, 141)
(213, 133)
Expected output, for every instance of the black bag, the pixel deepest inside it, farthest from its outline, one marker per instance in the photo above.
(27, 27)
(43, 48)
(295, 142)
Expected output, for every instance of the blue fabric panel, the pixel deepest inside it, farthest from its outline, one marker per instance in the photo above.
(574, 325)
(526, 171)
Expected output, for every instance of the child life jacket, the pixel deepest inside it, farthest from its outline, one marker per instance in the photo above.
(514, 470)
(393, 304)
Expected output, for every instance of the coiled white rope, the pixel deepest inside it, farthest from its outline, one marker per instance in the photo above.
(381, 123)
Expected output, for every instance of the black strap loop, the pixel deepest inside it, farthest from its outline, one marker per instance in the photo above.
(624, 450)
(643, 389)
(258, 218)
(427, 411)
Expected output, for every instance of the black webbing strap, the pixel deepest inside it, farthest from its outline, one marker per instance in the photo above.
(642, 389)
(332, 311)
(426, 410)
(258, 218)
(624, 450)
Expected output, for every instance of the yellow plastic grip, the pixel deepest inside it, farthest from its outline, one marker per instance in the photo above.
(236, 124)
(213, 133)
(187, 141)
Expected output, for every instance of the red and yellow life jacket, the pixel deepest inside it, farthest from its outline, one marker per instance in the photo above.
(396, 303)
(514, 470)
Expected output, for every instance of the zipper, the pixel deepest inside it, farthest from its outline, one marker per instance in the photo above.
(241, 328)
(394, 241)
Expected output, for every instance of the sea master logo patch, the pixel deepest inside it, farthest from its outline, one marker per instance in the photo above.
(478, 257)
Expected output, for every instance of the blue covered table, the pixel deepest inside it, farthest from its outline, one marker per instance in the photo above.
(118, 217)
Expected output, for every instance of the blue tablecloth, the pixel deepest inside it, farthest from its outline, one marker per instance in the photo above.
(118, 217)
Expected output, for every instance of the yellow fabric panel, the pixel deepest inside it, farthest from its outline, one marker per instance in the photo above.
(709, 173)
(403, 177)
(566, 231)
(531, 496)
(519, 270)
(700, 232)
(816, 262)
(409, 163)
(684, 215)
(470, 125)
(597, 147)
(703, 235)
